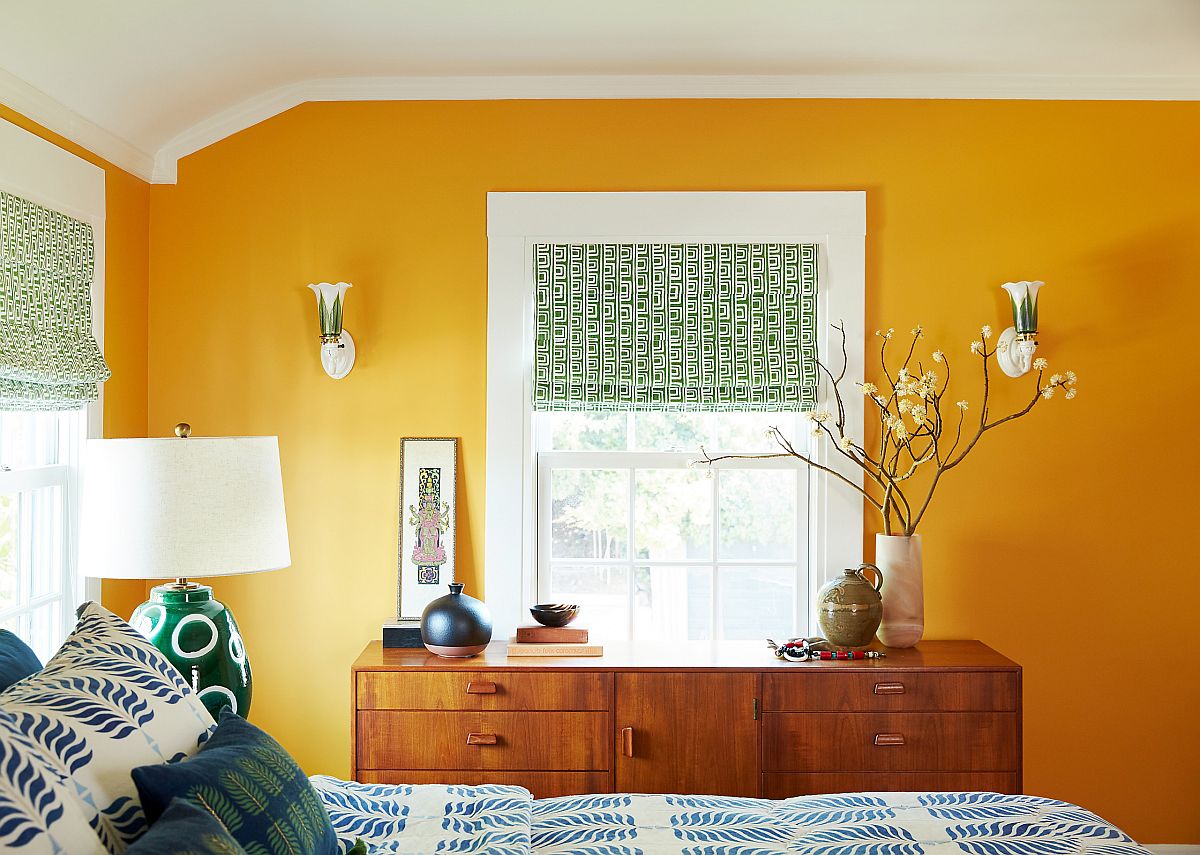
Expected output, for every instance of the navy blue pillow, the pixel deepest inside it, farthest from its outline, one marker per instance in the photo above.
(17, 660)
(246, 780)
(181, 822)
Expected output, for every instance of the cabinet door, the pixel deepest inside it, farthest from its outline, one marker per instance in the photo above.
(687, 733)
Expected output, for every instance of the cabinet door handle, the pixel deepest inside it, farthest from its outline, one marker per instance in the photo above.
(889, 688)
(481, 739)
(627, 741)
(481, 687)
(889, 739)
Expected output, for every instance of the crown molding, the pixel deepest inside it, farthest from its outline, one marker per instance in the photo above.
(162, 168)
(37, 106)
(481, 88)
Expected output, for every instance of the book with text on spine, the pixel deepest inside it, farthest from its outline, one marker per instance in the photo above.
(516, 648)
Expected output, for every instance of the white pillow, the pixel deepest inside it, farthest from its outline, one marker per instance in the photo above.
(106, 702)
(39, 815)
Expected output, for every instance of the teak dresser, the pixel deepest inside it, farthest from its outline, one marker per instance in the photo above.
(721, 719)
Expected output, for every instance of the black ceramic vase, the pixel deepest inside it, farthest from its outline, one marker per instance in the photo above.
(456, 625)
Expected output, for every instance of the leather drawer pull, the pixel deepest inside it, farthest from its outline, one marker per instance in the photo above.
(889, 688)
(481, 687)
(889, 739)
(627, 741)
(481, 739)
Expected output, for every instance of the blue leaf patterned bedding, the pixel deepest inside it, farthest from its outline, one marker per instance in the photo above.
(419, 819)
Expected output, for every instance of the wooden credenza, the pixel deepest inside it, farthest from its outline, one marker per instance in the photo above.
(719, 719)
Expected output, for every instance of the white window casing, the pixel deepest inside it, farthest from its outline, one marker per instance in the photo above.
(835, 220)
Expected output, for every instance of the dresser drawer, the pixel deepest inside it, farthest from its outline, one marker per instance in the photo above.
(784, 785)
(896, 691)
(489, 690)
(543, 785)
(890, 742)
(478, 741)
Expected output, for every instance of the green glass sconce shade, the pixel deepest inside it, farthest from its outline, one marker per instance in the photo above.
(199, 636)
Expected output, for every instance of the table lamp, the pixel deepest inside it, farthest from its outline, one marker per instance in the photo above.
(180, 509)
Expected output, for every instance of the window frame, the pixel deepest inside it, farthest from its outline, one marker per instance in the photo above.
(41, 172)
(516, 221)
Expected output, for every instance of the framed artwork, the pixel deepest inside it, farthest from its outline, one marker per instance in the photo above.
(428, 467)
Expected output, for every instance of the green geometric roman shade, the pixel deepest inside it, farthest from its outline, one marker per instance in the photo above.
(695, 326)
(48, 357)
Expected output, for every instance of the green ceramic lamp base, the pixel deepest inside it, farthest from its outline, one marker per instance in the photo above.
(199, 636)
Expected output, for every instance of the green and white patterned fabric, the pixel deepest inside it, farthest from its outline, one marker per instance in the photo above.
(49, 359)
(712, 327)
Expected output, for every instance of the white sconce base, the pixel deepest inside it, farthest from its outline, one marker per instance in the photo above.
(1014, 354)
(337, 358)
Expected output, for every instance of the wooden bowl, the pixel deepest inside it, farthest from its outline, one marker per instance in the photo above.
(554, 614)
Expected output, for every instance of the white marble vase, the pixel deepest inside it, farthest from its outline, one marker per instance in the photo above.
(899, 557)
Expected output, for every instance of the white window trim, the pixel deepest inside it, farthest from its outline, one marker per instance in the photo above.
(516, 221)
(37, 170)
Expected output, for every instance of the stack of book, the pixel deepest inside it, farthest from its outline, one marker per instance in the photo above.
(537, 640)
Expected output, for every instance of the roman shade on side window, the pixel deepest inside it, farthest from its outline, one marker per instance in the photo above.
(49, 359)
(689, 326)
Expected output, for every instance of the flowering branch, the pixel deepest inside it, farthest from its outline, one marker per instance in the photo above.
(910, 398)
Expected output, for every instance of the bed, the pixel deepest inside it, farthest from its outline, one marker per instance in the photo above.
(498, 820)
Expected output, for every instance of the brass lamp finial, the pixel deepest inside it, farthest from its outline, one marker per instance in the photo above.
(183, 430)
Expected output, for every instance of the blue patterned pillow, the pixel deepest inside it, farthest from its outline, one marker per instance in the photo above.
(184, 821)
(248, 781)
(17, 660)
(106, 702)
(39, 815)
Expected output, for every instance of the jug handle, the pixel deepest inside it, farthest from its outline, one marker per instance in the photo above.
(878, 583)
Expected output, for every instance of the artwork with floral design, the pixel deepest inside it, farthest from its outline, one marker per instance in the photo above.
(427, 515)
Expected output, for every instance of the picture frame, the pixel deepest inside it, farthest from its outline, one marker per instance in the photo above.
(426, 542)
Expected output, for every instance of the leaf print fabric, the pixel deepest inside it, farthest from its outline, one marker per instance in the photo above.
(185, 829)
(246, 780)
(427, 819)
(107, 701)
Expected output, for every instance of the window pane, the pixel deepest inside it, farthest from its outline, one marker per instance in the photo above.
(673, 514)
(589, 513)
(37, 439)
(748, 431)
(10, 575)
(758, 603)
(671, 431)
(672, 603)
(758, 514)
(588, 431)
(601, 592)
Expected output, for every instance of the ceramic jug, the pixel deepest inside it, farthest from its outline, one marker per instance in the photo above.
(849, 608)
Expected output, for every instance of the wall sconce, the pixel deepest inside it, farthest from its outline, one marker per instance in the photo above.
(337, 347)
(1016, 345)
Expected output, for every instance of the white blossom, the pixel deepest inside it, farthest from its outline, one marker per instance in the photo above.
(904, 405)
(1048, 392)
(938, 356)
(976, 347)
(962, 405)
(900, 431)
(1070, 376)
(1040, 364)
(846, 443)
(918, 331)
(869, 388)
(822, 416)
(885, 335)
(918, 414)
(902, 374)
(987, 331)
(1055, 379)
(1071, 393)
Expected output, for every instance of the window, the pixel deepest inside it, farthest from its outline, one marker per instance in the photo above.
(52, 212)
(39, 473)
(596, 503)
(656, 549)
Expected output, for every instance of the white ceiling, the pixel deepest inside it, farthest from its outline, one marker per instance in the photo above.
(145, 82)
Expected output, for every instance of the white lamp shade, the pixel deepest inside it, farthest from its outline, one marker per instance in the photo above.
(172, 508)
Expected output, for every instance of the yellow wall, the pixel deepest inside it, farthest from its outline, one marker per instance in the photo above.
(1064, 542)
(126, 254)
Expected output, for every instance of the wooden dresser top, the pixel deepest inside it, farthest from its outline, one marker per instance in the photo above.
(696, 655)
